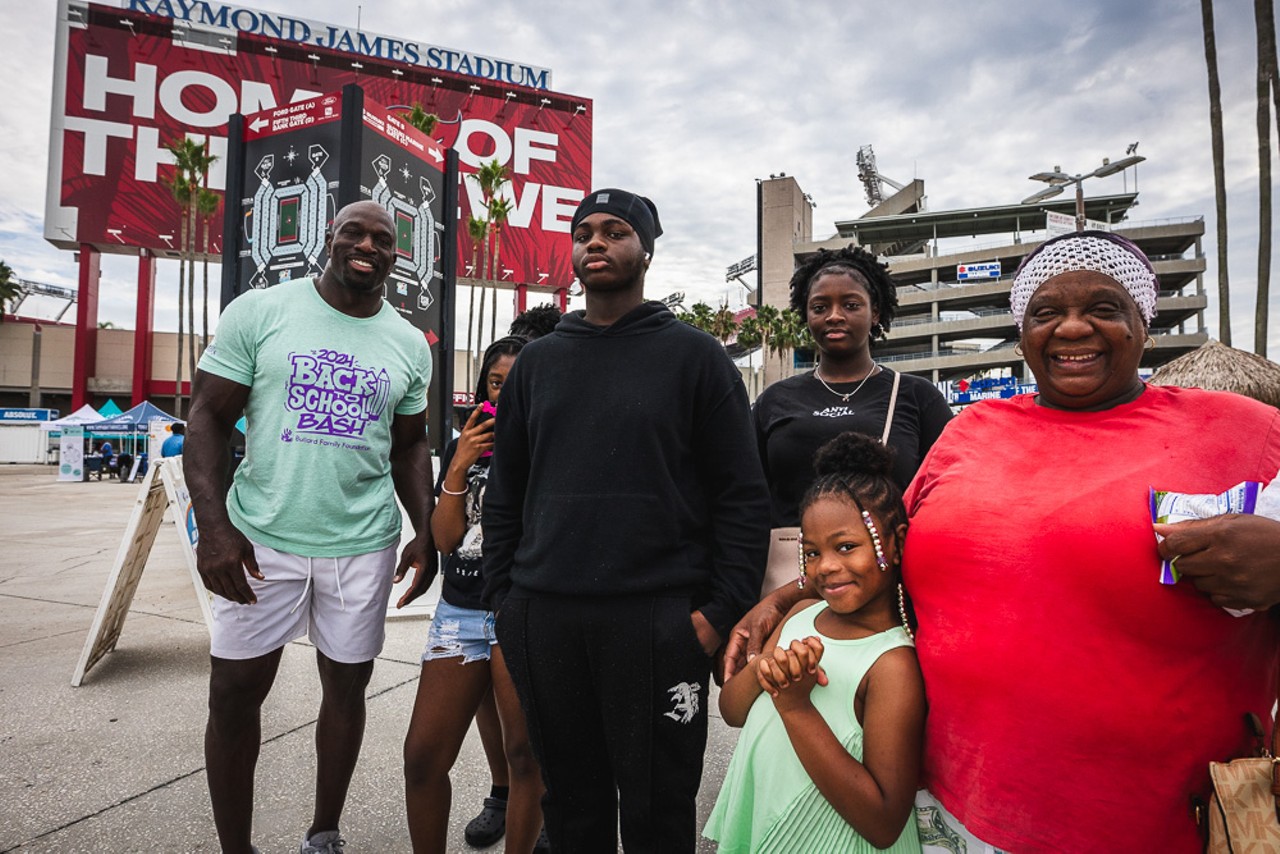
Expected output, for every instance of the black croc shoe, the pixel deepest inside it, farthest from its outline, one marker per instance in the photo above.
(489, 826)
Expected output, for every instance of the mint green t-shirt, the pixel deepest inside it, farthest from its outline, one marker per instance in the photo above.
(316, 477)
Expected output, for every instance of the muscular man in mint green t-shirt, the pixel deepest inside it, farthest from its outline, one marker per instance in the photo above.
(332, 383)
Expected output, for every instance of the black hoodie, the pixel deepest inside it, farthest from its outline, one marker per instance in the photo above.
(625, 464)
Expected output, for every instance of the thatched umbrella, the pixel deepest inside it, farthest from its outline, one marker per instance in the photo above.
(1221, 368)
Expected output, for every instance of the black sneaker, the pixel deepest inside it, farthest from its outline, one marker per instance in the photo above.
(489, 826)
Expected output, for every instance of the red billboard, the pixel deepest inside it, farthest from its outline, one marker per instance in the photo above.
(128, 82)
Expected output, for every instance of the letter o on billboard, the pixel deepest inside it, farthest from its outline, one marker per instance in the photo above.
(501, 142)
(224, 96)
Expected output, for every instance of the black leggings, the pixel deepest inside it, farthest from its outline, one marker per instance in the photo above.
(615, 693)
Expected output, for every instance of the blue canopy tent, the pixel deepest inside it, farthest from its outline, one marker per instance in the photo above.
(134, 420)
(131, 424)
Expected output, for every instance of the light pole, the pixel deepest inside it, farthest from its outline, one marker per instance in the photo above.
(1057, 181)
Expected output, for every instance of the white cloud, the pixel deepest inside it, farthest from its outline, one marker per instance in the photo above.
(695, 100)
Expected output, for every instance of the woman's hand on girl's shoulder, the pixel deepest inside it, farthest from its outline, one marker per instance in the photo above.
(743, 686)
(759, 629)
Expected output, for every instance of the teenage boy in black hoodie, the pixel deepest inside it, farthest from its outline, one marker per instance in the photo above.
(626, 529)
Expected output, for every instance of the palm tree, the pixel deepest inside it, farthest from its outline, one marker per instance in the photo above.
(699, 317)
(795, 336)
(767, 316)
(1264, 18)
(483, 293)
(183, 188)
(749, 338)
(200, 159)
(191, 171)
(723, 324)
(477, 227)
(1219, 171)
(489, 177)
(9, 289)
(207, 202)
(421, 119)
(499, 210)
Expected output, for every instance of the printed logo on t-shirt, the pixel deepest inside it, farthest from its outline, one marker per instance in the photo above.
(334, 395)
(833, 412)
(472, 545)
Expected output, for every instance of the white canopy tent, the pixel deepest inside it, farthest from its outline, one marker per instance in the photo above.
(85, 416)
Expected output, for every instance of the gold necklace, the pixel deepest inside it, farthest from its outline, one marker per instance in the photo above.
(845, 397)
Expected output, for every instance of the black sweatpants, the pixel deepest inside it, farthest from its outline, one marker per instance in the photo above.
(615, 693)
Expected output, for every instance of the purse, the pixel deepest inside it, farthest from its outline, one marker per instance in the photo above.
(784, 543)
(1243, 813)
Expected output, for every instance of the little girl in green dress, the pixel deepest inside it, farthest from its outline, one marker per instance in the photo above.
(833, 709)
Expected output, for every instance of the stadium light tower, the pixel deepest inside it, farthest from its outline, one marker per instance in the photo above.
(871, 178)
(1058, 180)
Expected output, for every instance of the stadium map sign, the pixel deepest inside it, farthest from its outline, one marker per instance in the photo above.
(293, 167)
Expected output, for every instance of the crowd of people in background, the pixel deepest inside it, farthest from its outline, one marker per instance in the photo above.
(938, 633)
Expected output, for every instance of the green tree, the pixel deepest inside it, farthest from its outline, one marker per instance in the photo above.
(699, 317)
(749, 334)
(499, 210)
(722, 324)
(10, 291)
(768, 318)
(477, 228)
(793, 334)
(207, 204)
(489, 178)
(191, 171)
(421, 119)
(183, 188)
(749, 337)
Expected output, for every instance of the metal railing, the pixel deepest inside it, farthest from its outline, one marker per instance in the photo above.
(973, 315)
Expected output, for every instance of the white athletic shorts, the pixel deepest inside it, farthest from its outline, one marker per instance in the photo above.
(339, 603)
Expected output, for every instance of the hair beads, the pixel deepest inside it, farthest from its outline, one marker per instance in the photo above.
(875, 540)
(800, 552)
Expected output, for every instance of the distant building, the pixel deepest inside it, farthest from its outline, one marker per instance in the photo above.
(953, 321)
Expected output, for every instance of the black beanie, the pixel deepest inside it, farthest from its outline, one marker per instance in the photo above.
(636, 211)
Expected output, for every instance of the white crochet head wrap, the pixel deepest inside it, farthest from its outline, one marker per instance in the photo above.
(1109, 254)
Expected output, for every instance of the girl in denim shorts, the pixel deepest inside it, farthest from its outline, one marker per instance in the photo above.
(463, 674)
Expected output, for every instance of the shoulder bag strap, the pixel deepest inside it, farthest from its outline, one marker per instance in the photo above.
(893, 404)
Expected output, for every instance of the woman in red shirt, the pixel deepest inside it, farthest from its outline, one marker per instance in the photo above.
(1074, 701)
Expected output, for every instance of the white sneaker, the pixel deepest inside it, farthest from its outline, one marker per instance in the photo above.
(326, 842)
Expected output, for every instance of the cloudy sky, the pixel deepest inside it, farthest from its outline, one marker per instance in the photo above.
(695, 100)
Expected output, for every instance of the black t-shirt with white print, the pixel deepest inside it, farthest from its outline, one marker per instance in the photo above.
(796, 416)
(463, 584)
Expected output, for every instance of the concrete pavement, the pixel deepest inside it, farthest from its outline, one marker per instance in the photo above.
(117, 764)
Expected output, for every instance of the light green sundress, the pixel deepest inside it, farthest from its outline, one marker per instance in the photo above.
(767, 802)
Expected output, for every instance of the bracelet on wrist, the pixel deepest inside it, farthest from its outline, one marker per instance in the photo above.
(447, 491)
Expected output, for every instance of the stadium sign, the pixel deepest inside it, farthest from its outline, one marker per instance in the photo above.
(237, 19)
(985, 270)
(128, 83)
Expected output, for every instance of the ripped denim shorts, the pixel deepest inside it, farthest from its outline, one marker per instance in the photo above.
(459, 633)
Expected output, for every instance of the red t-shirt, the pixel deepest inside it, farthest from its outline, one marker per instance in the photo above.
(1075, 702)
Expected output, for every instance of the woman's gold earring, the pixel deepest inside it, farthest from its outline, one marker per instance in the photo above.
(1017, 349)
(1150, 343)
